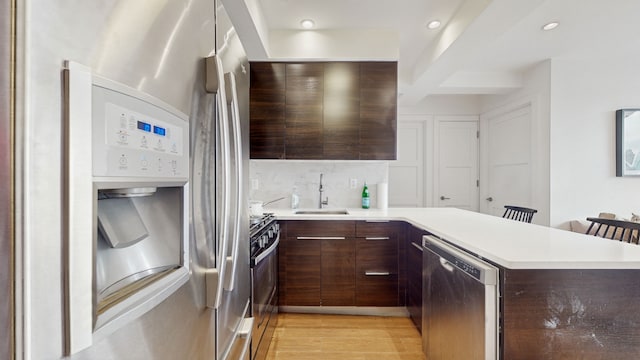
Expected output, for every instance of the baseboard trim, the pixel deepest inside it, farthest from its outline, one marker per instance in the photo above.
(399, 311)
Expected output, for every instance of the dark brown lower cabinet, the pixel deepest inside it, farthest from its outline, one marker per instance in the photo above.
(545, 314)
(377, 272)
(323, 263)
(571, 314)
(317, 263)
(299, 270)
(414, 274)
(377, 264)
(338, 286)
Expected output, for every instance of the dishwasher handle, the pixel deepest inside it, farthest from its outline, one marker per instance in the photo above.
(446, 265)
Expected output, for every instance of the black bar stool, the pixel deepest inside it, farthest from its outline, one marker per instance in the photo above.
(625, 231)
(519, 213)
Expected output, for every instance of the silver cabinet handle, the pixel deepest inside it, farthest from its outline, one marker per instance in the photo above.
(321, 238)
(444, 198)
(417, 246)
(489, 198)
(377, 238)
(377, 273)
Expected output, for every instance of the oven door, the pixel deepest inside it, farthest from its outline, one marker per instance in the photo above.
(264, 296)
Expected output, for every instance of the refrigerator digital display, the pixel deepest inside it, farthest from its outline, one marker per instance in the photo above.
(144, 126)
(159, 130)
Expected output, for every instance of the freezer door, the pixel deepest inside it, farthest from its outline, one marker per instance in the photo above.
(6, 186)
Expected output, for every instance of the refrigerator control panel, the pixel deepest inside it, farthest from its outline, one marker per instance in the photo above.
(135, 137)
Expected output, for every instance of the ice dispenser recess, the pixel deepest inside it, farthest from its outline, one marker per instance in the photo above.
(119, 222)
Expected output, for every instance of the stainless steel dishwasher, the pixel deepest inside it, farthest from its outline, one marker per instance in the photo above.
(459, 303)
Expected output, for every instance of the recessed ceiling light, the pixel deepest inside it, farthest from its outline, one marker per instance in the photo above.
(307, 23)
(550, 26)
(434, 24)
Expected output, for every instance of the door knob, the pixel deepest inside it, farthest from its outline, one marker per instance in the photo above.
(444, 198)
(489, 198)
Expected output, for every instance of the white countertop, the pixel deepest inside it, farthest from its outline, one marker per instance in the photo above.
(512, 244)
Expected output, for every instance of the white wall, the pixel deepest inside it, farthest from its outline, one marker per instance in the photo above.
(345, 44)
(535, 92)
(415, 146)
(585, 94)
(443, 105)
(276, 178)
(576, 104)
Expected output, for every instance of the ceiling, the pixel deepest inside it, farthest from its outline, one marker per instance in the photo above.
(482, 47)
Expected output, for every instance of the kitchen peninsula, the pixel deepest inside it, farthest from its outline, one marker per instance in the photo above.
(562, 294)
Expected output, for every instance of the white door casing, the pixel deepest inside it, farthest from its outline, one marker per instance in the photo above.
(507, 158)
(456, 163)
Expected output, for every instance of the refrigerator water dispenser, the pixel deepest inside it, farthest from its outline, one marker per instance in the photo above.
(127, 186)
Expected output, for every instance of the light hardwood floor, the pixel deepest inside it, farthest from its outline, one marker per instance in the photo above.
(327, 337)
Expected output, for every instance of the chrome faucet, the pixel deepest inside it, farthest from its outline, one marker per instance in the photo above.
(321, 190)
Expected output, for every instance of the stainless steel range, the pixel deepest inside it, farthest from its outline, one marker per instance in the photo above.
(264, 239)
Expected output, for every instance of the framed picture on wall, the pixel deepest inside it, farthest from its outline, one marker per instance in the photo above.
(628, 142)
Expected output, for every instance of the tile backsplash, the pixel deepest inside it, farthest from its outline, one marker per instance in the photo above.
(271, 179)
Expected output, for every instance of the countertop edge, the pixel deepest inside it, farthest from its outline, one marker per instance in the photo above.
(520, 260)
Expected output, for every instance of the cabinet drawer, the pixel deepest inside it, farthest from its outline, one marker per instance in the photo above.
(376, 256)
(377, 290)
(377, 229)
(320, 228)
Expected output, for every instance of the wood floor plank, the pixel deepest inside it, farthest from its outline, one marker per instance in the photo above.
(318, 336)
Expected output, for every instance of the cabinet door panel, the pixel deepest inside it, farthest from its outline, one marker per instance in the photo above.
(414, 276)
(378, 110)
(267, 115)
(338, 272)
(341, 122)
(303, 111)
(377, 291)
(300, 272)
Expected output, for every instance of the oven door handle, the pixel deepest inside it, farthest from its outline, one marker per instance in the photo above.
(269, 250)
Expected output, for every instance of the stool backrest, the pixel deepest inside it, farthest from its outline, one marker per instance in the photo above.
(519, 213)
(614, 229)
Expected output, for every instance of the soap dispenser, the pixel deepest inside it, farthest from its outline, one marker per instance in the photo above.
(295, 199)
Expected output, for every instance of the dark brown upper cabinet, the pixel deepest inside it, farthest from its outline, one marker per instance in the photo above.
(341, 121)
(267, 110)
(378, 110)
(324, 110)
(303, 111)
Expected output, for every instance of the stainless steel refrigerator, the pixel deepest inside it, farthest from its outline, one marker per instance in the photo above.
(6, 186)
(158, 48)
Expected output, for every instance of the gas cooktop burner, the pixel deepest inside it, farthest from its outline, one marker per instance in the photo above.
(258, 222)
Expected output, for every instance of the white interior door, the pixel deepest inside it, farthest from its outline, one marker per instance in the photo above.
(406, 180)
(456, 164)
(508, 147)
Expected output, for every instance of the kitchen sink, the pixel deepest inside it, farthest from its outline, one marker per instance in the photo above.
(322, 212)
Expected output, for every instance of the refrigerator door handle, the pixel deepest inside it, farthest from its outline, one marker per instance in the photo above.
(245, 332)
(234, 113)
(214, 277)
